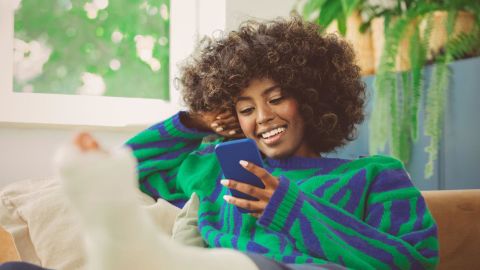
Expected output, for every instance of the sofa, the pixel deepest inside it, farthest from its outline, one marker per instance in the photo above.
(457, 213)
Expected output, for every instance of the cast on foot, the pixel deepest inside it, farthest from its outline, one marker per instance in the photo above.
(101, 185)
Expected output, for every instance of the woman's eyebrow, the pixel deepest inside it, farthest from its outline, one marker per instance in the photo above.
(264, 93)
(270, 89)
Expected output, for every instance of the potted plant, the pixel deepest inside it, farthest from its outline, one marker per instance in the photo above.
(407, 27)
(345, 19)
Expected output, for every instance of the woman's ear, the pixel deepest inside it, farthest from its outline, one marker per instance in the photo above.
(328, 122)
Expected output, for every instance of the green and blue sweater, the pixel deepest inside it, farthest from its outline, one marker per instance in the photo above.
(363, 214)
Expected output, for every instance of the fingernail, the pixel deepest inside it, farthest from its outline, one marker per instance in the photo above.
(231, 132)
(218, 117)
(243, 163)
(214, 125)
(219, 129)
(227, 198)
(224, 182)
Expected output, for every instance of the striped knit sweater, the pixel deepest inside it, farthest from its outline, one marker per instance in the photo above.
(363, 214)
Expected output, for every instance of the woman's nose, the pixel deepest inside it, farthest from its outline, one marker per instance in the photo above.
(264, 115)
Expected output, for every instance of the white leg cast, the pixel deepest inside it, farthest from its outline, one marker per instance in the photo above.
(119, 235)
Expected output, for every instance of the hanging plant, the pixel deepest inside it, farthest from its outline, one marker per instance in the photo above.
(397, 97)
(455, 48)
(398, 86)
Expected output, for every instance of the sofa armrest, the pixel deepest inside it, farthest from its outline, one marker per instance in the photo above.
(457, 215)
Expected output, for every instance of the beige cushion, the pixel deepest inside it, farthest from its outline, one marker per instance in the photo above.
(42, 226)
(185, 228)
(46, 232)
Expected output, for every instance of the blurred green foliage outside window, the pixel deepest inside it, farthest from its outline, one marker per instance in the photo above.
(92, 47)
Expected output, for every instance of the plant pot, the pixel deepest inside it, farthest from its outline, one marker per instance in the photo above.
(361, 42)
(464, 23)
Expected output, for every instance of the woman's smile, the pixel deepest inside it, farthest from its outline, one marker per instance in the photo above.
(273, 136)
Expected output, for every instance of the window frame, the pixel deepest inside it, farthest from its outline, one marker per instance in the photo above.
(188, 22)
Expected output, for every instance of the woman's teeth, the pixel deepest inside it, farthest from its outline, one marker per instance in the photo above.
(273, 132)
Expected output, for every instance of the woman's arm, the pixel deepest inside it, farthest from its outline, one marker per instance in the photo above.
(161, 149)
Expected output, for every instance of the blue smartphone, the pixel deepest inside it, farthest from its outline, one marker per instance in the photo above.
(229, 154)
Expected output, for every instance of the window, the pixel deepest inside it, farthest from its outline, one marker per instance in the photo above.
(102, 48)
(118, 72)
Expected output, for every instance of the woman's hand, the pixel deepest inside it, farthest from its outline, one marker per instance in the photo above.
(262, 194)
(223, 123)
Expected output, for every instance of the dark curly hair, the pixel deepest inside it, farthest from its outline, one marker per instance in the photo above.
(318, 70)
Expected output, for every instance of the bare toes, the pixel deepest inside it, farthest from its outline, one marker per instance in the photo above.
(85, 142)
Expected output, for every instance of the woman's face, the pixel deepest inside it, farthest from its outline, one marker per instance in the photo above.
(272, 119)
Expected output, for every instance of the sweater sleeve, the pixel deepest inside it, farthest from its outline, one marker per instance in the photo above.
(396, 231)
(160, 150)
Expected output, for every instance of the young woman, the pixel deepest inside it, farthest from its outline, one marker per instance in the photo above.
(298, 95)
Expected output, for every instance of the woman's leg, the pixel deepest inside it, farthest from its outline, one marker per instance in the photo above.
(101, 185)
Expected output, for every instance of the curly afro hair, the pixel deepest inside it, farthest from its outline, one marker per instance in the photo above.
(318, 70)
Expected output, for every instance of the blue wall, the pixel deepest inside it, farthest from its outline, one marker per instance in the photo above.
(458, 165)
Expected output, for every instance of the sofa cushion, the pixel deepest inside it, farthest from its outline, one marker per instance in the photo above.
(41, 224)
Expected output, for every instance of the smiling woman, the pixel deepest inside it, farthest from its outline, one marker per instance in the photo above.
(298, 94)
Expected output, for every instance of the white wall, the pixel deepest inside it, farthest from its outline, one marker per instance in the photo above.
(26, 151)
(240, 10)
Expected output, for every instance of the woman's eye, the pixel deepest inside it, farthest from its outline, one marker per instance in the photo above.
(246, 111)
(276, 100)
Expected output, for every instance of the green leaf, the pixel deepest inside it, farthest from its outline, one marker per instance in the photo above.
(436, 100)
(342, 24)
(348, 6)
(311, 6)
(329, 12)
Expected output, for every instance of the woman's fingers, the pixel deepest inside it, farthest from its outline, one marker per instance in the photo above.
(228, 127)
(259, 193)
(231, 133)
(256, 206)
(262, 194)
(224, 123)
(256, 215)
(267, 179)
(223, 115)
